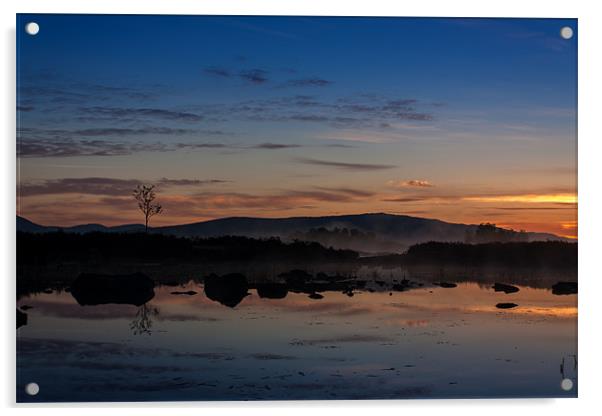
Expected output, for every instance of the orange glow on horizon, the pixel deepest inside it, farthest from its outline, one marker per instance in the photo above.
(527, 198)
(546, 212)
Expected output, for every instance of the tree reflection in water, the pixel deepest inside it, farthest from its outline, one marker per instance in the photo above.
(143, 321)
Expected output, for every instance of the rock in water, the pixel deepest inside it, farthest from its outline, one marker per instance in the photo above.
(508, 305)
(447, 285)
(229, 289)
(564, 288)
(100, 289)
(21, 319)
(315, 296)
(189, 293)
(272, 290)
(502, 287)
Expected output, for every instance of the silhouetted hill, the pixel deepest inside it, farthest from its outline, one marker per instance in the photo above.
(384, 229)
(23, 224)
(393, 233)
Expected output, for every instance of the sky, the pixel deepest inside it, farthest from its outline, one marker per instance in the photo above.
(463, 120)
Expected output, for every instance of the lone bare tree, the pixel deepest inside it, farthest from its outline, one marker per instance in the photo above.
(145, 196)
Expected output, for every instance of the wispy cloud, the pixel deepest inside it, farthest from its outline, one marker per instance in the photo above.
(360, 193)
(308, 82)
(115, 131)
(50, 92)
(254, 76)
(115, 205)
(56, 147)
(115, 208)
(275, 146)
(141, 113)
(70, 148)
(344, 165)
(201, 145)
(189, 182)
(413, 183)
(218, 71)
(406, 199)
(103, 185)
(351, 112)
(93, 185)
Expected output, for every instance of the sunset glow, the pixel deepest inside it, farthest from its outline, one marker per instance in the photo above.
(244, 127)
(532, 198)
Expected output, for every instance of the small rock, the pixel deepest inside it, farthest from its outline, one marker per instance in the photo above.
(447, 285)
(507, 305)
(189, 293)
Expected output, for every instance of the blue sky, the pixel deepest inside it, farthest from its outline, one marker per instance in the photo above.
(473, 107)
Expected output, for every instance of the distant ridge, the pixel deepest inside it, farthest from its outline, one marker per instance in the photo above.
(390, 232)
(23, 224)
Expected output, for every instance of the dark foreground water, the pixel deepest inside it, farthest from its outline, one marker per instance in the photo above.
(429, 342)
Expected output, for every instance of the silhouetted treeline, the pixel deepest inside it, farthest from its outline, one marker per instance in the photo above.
(533, 254)
(490, 233)
(348, 238)
(59, 247)
(335, 235)
(56, 247)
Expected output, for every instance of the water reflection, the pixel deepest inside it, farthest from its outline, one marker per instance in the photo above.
(143, 322)
(270, 341)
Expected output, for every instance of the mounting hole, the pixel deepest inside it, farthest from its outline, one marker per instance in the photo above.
(32, 28)
(32, 389)
(566, 32)
(566, 384)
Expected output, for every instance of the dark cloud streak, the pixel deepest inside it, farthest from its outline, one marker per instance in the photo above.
(254, 76)
(344, 165)
(103, 186)
(308, 82)
(275, 146)
(141, 113)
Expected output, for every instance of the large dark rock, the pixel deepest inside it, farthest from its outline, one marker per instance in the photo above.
(501, 287)
(272, 290)
(21, 319)
(229, 289)
(564, 288)
(99, 289)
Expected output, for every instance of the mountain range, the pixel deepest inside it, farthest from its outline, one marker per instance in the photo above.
(369, 233)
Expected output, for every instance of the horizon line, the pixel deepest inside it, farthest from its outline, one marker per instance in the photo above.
(294, 217)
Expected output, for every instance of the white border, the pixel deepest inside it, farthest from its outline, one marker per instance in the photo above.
(590, 232)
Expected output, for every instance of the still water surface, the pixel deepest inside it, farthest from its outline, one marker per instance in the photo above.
(428, 342)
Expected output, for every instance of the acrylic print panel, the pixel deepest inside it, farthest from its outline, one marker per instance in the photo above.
(277, 208)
